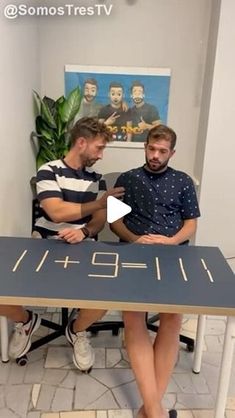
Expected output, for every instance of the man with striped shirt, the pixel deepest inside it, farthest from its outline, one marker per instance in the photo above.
(73, 202)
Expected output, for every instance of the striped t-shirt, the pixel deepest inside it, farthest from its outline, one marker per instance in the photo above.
(57, 179)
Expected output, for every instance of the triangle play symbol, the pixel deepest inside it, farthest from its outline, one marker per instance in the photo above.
(116, 209)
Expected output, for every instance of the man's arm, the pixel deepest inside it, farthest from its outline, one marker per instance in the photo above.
(60, 211)
(186, 232)
(97, 222)
(74, 236)
(144, 125)
(120, 229)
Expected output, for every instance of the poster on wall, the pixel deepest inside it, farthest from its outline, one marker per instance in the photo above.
(130, 100)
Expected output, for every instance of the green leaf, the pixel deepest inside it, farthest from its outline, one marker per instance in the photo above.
(41, 124)
(59, 101)
(38, 101)
(44, 156)
(47, 114)
(51, 105)
(71, 105)
(37, 97)
(52, 125)
(40, 160)
(49, 136)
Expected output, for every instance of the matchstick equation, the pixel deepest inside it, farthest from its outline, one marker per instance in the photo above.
(112, 260)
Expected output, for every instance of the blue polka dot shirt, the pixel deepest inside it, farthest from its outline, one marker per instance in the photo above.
(160, 201)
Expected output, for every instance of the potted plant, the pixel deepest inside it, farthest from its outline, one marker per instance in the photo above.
(52, 122)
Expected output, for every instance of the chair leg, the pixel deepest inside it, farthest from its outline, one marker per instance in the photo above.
(201, 324)
(4, 339)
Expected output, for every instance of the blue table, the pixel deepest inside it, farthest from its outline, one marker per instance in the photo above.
(178, 279)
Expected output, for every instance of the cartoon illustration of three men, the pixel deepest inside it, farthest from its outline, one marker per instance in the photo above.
(126, 123)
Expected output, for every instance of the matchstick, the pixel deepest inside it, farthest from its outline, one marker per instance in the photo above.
(207, 270)
(19, 260)
(66, 262)
(42, 261)
(210, 276)
(182, 270)
(158, 268)
(204, 264)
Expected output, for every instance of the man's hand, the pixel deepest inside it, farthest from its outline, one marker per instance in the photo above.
(71, 235)
(161, 239)
(111, 119)
(143, 125)
(115, 192)
(143, 239)
(155, 239)
(124, 106)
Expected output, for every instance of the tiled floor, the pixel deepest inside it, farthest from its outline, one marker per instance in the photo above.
(49, 386)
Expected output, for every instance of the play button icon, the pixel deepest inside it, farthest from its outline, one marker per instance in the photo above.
(116, 209)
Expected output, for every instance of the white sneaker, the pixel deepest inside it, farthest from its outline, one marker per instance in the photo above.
(83, 354)
(20, 342)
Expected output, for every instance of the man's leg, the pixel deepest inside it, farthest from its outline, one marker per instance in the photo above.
(83, 354)
(87, 317)
(141, 354)
(14, 313)
(26, 323)
(166, 347)
(152, 364)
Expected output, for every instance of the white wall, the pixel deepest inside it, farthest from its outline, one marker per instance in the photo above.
(217, 197)
(206, 91)
(19, 75)
(153, 33)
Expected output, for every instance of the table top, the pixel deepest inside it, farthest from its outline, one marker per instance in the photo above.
(184, 279)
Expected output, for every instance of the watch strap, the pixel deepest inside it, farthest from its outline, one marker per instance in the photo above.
(86, 232)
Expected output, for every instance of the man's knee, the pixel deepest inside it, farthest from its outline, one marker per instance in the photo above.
(133, 319)
(171, 322)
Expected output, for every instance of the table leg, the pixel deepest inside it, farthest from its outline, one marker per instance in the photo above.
(201, 325)
(4, 339)
(225, 368)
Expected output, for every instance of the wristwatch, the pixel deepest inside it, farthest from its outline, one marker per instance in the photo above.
(86, 232)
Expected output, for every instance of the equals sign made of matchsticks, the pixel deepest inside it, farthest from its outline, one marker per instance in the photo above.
(127, 265)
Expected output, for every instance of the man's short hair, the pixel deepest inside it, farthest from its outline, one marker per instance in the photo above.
(91, 81)
(114, 84)
(162, 132)
(88, 127)
(136, 84)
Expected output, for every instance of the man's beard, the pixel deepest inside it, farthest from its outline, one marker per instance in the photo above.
(88, 162)
(138, 100)
(89, 98)
(158, 166)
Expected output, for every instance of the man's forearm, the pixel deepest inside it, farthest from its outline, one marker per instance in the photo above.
(60, 211)
(186, 232)
(120, 229)
(97, 222)
(151, 125)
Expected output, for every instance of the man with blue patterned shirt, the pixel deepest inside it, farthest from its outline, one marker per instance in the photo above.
(164, 211)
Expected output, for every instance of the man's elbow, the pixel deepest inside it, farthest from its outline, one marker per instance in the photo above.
(192, 227)
(113, 227)
(56, 217)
